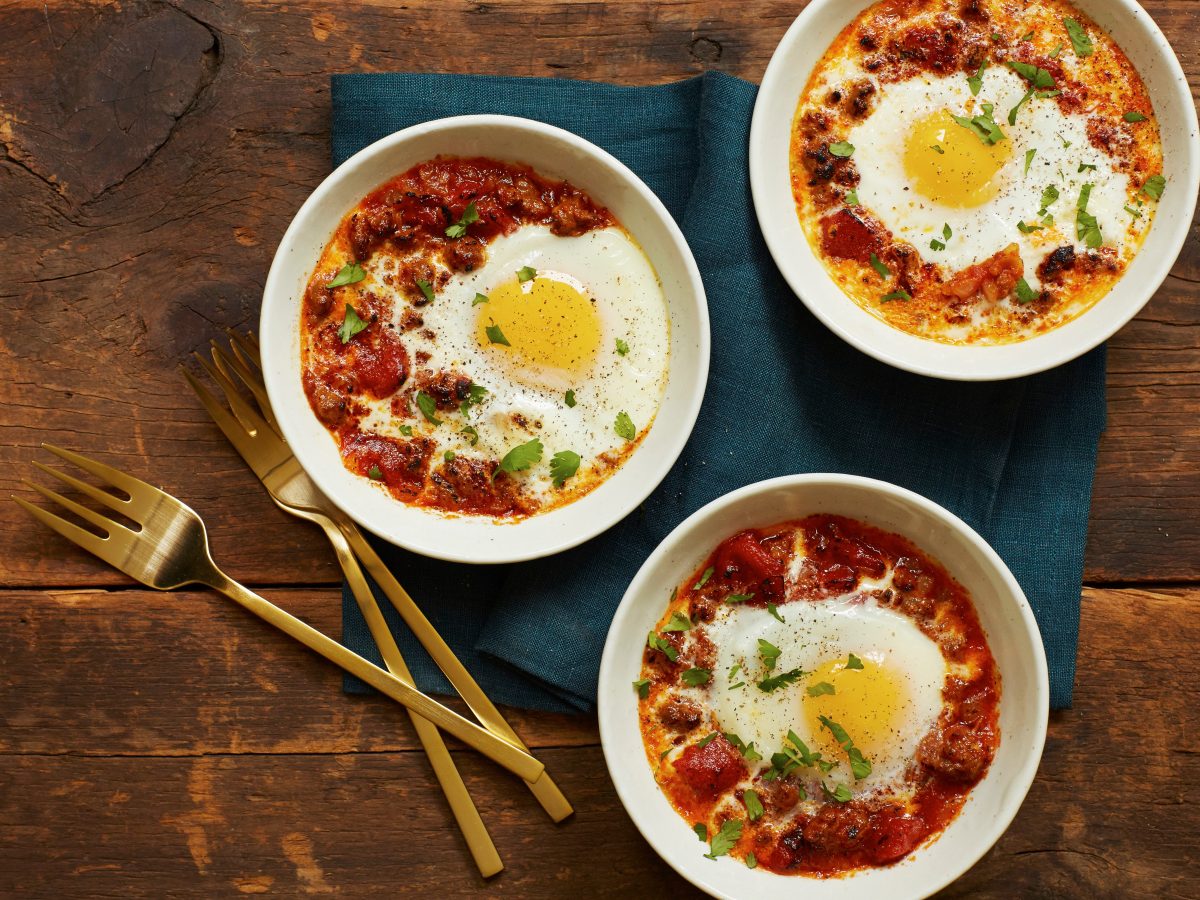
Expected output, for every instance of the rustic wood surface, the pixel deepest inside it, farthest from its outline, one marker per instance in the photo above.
(168, 745)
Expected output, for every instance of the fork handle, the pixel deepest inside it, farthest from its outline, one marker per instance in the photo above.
(544, 789)
(515, 759)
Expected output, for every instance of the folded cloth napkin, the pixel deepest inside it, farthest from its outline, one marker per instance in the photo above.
(1014, 459)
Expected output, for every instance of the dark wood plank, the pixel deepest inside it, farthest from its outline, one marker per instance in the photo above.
(154, 153)
(226, 762)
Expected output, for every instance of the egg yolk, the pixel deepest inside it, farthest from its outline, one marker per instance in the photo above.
(868, 702)
(950, 165)
(548, 322)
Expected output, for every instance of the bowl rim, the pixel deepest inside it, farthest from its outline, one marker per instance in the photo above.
(948, 364)
(612, 696)
(604, 515)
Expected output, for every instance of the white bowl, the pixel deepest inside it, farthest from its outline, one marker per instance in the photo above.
(806, 42)
(554, 153)
(1003, 611)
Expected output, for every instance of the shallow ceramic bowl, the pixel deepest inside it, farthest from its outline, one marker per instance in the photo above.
(788, 72)
(554, 153)
(1003, 611)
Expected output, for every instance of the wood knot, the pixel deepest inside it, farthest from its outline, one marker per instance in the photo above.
(706, 50)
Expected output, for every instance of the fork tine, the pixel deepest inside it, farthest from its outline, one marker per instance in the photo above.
(250, 419)
(135, 488)
(114, 503)
(98, 519)
(248, 344)
(231, 427)
(236, 363)
(72, 532)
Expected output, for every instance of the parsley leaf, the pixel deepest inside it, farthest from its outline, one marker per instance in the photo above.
(351, 325)
(789, 759)
(859, 764)
(526, 273)
(1057, 50)
(1028, 229)
(469, 217)
(496, 336)
(679, 622)
(448, 456)
(654, 642)
(622, 347)
(769, 653)
(751, 862)
(624, 426)
(936, 148)
(841, 793)
(1136, 213)
(479, 298)
(1134, 117)
(472, 434)
(935, 244)
(1012, 113)
(774, 611)
(1049, 197)
(983, 126)
(1025, 294)
(426, 289)
(976, 80)
(895, 295)
(642, 686)
(1085, 167)
(569, 399)
(851, 197)
(842, 149)
(375, 474)
(821, 688)
(738, 598)
(428, 407)
(754, 807)
(405, 430)
(1087, 229)
(696, 677)
(701, 831)
(791, 676)
(725, 839)
(706, 740)
(747, 750)
(708, 573)
(1153, 188)
(878, 265)
(854, 662)
(475, 395)
(521, 457)
(1080, 42)
(563, 465)
(350, 273)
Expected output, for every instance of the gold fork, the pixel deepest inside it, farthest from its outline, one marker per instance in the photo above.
(170, 550)
(294, 493)
(244, 362)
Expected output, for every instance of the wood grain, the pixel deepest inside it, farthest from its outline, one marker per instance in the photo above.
(154, 153)
(156, 740)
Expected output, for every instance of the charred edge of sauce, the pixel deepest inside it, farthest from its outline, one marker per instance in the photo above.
(951, 759)
(409, 215)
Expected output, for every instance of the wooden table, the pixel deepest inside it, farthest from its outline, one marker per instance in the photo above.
(159, 745)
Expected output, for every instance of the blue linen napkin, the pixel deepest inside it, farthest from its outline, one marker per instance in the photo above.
(1014, 459)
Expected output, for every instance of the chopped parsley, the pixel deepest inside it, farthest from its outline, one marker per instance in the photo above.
(751, 862)
(375, 474)
(479, 298)
(840, 793)
(878, 265)
(859, 764)
(496, 336)
(935, 244)
(521, 457)
(754, 807)
(350, 273)
(701, 831)
(769, 653)
(696, 677)
(1038, 77)
(706, 740)
(820, 689)
(1025, 294)
(1087, 229)
(448, 456)
(1057, 50)
(976, 81)
(1028, 229)
(622, 347)
(428, 407)
(472, 434)
(1080, 42)
(983, 126)
(475, 395)
(854, 662)
(747, 750)
(774, 611)
(789, 759)
(936, 148)
(708, 573)
(624, 427)
(1153, 188)
(526, 273)
(895, 295)
(769, 685)
(642, 686)
(351, 325)
(1136, 213)
(738, 598)
(1133, 116)
(1049, 198)
(469, 217)
(679, 622)
(1085, 167)
(654, 642)
(563, 465)
(842, 149)
(851, 197)
(405, 430)
(426, 289)
(569, 399)
(725, 839)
